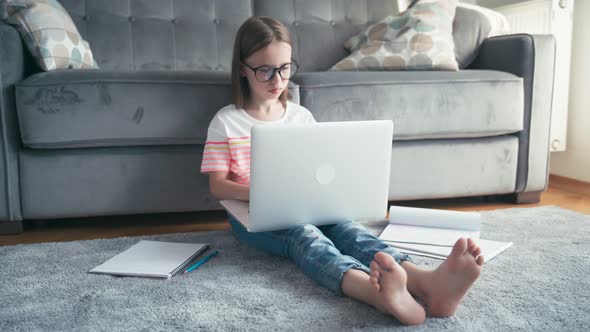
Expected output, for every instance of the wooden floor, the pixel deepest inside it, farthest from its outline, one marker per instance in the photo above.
(563, 192)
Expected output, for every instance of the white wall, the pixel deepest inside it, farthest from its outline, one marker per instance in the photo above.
(575, 161)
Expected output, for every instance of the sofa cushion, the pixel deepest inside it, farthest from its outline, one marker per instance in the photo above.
(92, 108)
(423, 105)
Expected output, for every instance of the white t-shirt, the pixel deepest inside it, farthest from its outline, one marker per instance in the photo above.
(228, 139)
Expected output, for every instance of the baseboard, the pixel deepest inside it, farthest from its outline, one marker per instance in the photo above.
(569, 184)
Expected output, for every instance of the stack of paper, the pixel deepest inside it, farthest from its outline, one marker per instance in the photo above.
(432, 233)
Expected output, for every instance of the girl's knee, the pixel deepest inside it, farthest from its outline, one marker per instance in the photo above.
(302, 231)
(305, 235)
(347, 227)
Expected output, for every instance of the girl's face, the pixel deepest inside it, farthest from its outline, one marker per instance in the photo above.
(276, 55)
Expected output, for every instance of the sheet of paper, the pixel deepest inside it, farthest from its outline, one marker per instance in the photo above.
(425, 235)
(400, 215)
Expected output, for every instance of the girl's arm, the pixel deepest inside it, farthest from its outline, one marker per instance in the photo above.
(222, 187)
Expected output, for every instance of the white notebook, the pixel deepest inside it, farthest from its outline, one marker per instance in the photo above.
(153, 259)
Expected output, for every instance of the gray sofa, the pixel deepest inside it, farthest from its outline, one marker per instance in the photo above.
(128, 138)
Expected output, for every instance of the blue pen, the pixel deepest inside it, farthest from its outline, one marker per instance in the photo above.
(199, 263)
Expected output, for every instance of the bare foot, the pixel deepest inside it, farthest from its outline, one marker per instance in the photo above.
(388, 282)
(451, 280)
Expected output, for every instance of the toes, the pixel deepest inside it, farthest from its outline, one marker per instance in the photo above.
(460, 247)
(374, 266)
(480, 260)
(374, 280)
(477, 252)
(471, 245)
(376, 287)
(384, 261)
(375, 274)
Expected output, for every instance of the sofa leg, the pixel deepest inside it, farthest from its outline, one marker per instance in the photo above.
(531, 197)
(11, 227)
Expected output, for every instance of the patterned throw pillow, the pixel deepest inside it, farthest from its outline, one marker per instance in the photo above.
(421, 38)
(49, 33)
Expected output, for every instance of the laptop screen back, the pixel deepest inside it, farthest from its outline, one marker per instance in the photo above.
(319, 174)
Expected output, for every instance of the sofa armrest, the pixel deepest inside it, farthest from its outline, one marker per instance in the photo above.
(531, 57)
(12, 69)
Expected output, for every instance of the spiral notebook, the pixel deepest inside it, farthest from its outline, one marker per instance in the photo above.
(152, 259)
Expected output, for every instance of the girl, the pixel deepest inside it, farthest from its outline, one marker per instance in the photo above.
(345, 258)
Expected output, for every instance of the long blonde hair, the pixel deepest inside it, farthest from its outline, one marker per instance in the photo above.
(256, 33)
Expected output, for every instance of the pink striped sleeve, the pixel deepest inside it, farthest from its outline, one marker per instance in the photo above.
(216, 155)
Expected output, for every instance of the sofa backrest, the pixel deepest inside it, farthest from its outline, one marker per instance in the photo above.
(199, 34)
(160, 34)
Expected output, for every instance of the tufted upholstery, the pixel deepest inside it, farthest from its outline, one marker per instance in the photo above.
(195, 34)
(160, 34)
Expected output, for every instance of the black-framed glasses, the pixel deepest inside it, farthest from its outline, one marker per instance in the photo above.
(266, 73)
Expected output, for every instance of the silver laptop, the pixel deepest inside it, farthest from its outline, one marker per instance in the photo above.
(317, 174)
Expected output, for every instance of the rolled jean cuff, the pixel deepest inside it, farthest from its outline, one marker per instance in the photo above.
(337, 287)
(398, 256)
(405, 257)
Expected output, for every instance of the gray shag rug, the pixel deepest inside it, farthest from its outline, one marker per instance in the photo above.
(541, 283)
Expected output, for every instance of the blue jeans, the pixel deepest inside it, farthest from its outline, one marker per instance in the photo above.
(323, 253)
